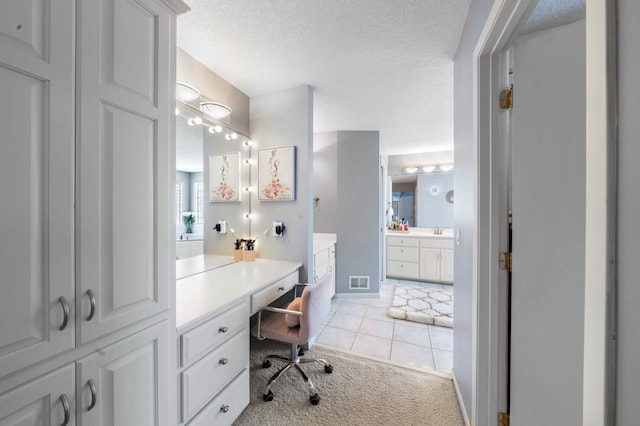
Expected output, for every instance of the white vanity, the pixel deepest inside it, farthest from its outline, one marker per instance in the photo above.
(215, 298)
(420, 255)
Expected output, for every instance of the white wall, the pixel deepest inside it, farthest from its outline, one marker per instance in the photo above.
(325, 178)
(285, 119)
(465, 181)
(549, 189)
(628, 376)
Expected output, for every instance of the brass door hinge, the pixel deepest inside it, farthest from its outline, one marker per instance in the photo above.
(506, 99)
(505, 261)
(503, 419)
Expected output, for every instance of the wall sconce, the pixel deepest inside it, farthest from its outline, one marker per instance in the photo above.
(427, 169)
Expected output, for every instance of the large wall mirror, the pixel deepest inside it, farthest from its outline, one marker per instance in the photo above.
(213, 174)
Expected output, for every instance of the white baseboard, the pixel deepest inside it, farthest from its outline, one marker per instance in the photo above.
(356, 295)
(460, 401)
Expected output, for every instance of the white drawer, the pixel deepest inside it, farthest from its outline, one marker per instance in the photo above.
(446, 243)
(319, 271)
(402, 269)
(203, 380)
(211, 334)
(274, 291)
(402, 254)
(227, 406)
(402, 241)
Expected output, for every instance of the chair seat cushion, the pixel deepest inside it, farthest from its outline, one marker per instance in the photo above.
(275, 327)
(293, 320)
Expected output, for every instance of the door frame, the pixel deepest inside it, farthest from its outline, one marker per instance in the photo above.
(488, 384)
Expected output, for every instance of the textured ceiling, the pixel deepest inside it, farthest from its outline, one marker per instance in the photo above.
(375, 64)
(553, 13)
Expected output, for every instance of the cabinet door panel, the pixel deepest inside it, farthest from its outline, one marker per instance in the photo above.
(446, 266)
(36, 181)
(39, 403)
(130, 379)
(430, 264)
(124, 163)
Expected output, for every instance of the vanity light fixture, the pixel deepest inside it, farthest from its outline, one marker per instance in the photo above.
(227, 136)
(218, 129)
(186, 92)
(446, 167)
(191, 122)
(215, 109)
(428, 169)
(409, 170)
(248, 216)
(248, 143)
(247, 161)
(234, 136)
(212, 130)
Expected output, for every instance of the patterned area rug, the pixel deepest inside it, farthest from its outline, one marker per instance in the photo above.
(425, 305)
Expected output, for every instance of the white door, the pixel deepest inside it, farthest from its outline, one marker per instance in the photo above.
(36, 182)
(430, 264)
(126, 383)
(123, 163)
(45, 401)
(548, 178)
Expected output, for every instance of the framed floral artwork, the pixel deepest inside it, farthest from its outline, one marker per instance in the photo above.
(224, 177)
(277, 174)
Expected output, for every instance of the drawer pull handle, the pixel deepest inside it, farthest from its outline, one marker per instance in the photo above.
(223, 329)
(94, 396)
(224, 408)
(280, 288)
(223, 361)
(65, 312)
(92, 301)
(67, 410)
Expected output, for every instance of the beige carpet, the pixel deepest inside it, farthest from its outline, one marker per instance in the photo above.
(359, 392)
(420, 304)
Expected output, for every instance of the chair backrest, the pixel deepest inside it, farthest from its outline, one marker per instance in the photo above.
(315, 306)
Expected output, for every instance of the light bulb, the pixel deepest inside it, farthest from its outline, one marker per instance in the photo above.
(248, 188)
(234, 136)
(410, 170)
(177, 111)
(227, 136)
(428, 169)
(248, 216)
(446, 167)
(248, 161)
(218, 129)
(190, 122)
(197, 120)
(211, 130)
(248, 143)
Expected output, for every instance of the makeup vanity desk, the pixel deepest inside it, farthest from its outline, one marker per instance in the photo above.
(215, 297)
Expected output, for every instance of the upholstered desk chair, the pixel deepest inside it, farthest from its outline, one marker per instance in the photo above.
(296, 326)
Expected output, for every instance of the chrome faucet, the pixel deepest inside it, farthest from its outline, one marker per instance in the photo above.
(437, 230)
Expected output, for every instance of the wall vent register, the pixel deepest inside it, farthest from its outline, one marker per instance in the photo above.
(358, 282)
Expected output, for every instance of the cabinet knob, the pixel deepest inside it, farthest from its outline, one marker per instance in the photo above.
(223, 329)
(224, 408)
(223, 361)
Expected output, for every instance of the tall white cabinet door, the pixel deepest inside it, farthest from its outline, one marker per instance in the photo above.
(45, 401)
(446, 265)
(124, 163)
(36, 181)
(430, 264)
(127, 383)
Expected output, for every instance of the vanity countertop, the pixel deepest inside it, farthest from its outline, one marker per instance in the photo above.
(200, 263)
(204, 294)
(422, 233)
(323, 241)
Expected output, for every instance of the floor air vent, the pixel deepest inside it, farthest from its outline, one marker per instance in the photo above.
(358, 283)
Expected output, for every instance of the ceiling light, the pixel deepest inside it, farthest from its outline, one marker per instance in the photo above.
(185, 92)
(215, 109)
(409, 170)
(428, 169)
(446, 167)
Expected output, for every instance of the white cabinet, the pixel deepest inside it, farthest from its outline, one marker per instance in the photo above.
(186, 249)
(126, 383)
(45, 401)
(324, 262)
(36, 182)
(436, 260)
(420, 258)
(214, 383)
(86, 114)
(124, 152)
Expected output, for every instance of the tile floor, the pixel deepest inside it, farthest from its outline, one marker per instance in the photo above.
(361, 325)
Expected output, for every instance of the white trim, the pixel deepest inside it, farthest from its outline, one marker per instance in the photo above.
(460, 400)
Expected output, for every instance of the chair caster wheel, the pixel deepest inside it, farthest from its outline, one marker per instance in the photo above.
(314, 399)
(328, 369)
(269, 397)
(266, 363)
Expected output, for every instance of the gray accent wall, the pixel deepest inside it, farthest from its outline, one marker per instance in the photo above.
(434, 210)
(628, 269)
(285, 119)
(464, 212)
(358, 227)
